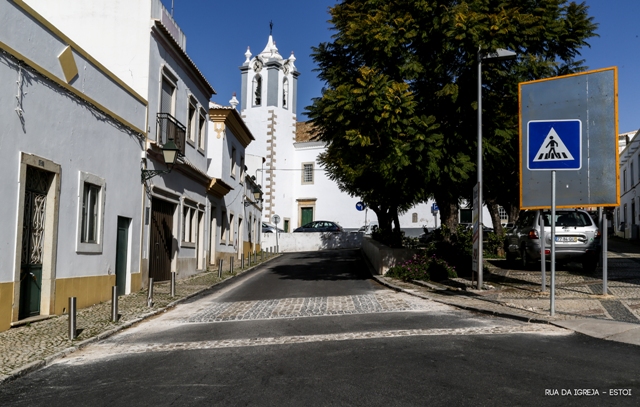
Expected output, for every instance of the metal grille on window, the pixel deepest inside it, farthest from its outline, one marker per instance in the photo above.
(307, 176)
(34, 215)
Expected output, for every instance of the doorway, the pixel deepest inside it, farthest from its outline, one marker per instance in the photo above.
(161, 242)
(33, 236)
(307, 215)
(122, 254)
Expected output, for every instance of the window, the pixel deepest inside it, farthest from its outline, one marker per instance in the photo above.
(230, 242)
(632, 173)
(257, 90)
(233, 162)
(202, 131)
(624, 181)
(223, 227)
(90, 213)
(90, 207)
(285, 93)
(189, 224)
(466, 215)
(504, 217)
(166, 96)
(191, 123)
(307, 173)
(414, 218)
(241, 168)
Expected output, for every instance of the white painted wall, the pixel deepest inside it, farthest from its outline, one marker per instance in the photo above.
(305, 242)
(67, 131)
(629, 191)
(115, 32)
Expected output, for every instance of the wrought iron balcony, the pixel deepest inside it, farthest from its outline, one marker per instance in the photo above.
(171, 129)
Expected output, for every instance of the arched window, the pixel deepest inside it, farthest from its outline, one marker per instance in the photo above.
(285, 93)
(257, 90)
(414, 217)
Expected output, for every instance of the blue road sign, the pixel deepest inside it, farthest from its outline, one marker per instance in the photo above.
(434, 207)
(554, 145)
(360, 206)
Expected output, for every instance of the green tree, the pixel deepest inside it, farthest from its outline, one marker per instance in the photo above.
(399, 109)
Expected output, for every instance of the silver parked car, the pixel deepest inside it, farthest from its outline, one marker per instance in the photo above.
(577, 238)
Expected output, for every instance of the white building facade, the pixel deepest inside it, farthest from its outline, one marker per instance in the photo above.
(72, 137)
(145, 48)
(626, 221)
(234, 197)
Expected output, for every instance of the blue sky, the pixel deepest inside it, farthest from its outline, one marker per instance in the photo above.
(218, 34)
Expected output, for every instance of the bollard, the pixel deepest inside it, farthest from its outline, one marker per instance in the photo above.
(114, 303)
(231, 265)
(173, 284)
(242, 261)
(220, 268)
(261, 255)
(150, 296)
(72, 318)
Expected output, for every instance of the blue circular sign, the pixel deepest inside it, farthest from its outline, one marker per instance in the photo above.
(360, 206)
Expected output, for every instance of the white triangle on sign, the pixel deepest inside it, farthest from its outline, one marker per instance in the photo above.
(553, 149)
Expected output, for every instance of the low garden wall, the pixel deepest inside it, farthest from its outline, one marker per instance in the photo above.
(307, 242)
(381, 257)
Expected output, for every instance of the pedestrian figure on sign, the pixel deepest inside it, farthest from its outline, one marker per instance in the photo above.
(552, 151)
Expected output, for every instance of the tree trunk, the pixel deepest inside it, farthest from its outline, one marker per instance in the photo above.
(448, 217)
(494, 211)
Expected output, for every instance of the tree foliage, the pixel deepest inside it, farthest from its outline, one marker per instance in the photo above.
(399, 108)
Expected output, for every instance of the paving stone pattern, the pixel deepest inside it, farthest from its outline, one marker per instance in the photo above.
(21, 346)
(305, 307)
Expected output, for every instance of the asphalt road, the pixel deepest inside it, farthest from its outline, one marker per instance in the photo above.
(312, 329)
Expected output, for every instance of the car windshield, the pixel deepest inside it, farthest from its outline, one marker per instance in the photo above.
(576, 219)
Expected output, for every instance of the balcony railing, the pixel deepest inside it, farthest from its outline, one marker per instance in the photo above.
(171, 129)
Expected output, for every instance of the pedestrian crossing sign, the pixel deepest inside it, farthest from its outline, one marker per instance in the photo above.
(554, 145)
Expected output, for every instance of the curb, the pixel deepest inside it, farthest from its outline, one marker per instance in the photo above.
(39, 364)
(503, 314)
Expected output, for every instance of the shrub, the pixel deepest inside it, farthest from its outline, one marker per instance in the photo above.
(494, 245)
(422, 267)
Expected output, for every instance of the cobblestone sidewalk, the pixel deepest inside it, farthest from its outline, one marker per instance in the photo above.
(518, 292)
(33, 345)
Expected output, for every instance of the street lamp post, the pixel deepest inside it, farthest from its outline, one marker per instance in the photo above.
(499, 55)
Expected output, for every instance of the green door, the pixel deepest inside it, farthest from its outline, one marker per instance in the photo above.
(122, 248)
(33, 222)
(307, 215)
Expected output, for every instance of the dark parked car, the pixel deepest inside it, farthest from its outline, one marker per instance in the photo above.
(268, 228)
(320, 226)
(577, 238)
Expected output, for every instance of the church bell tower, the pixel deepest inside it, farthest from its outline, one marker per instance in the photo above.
(268, 107)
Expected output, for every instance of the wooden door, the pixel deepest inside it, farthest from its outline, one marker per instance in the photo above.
(161, 242)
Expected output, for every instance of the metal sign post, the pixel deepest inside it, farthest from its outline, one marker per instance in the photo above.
(476, 264)
(553, 244)
(605, 230)
(276, 220)
(434, 211)
(543, 254)
(569, 127)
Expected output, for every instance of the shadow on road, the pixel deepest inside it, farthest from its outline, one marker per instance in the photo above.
(330, 265)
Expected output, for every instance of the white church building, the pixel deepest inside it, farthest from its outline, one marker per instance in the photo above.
(285, 161)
